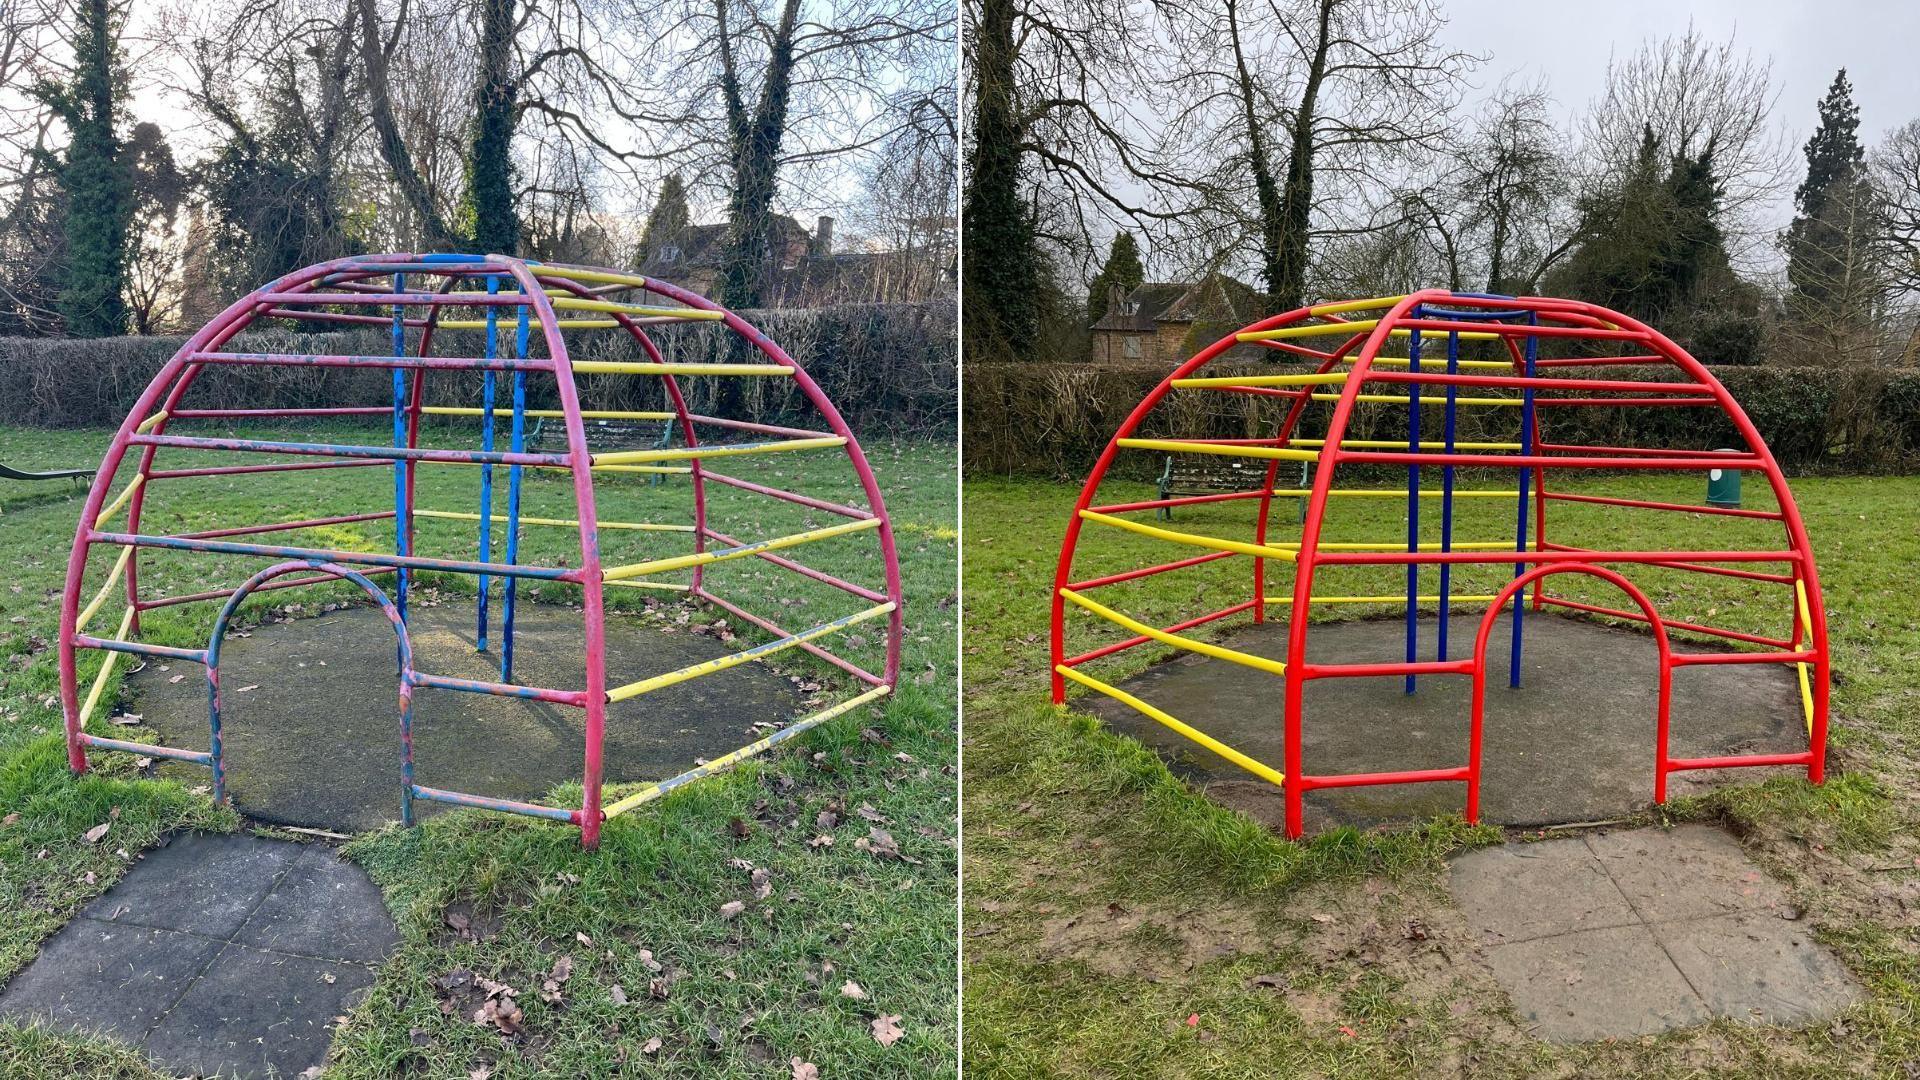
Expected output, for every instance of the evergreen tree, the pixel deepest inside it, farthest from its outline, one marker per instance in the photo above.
(95, 182)
(487, 217)
(1824, 240)
(1001, 273)
(1122, 268)
(669, 217)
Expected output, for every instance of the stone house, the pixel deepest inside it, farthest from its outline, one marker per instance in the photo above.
(1167, 322)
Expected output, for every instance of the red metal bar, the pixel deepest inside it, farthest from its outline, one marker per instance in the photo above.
(1462, 774)
(1632, 451)
(763, 429)
(139, 648)
(1626, 402)
(230, 470)
(765, 624)
(1262, 391)
(127, 746)
(1387, 667)
(284, 583)
(1519, 330)
(351, 410)
(1368, 558)
(789, 496)
(1141, 639)
(382, 453)
(1182, 500)
(1686, 659)
(805, 571)
(1599, 361)
(1700, 568)
(284, 526)
(1732, 635)
(449, 363)
(477, 686)
(1740, 761)
(508, 806)
(340, 317)
(1298, 349)
(1148, 571)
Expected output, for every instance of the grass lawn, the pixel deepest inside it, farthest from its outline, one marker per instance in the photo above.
(641, 918)
(1117, 924)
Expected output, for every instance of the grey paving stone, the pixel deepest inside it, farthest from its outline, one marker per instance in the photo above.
(325, 907)
(1689, 872)
(1520, 891)
(1759, 967)
(1596, 984)
(256, 1011)
(111, 979)
(203, 884)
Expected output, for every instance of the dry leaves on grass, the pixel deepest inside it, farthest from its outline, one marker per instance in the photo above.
(853, 990)
(550, 991)
(732, 909)
(886, 1029)
(804, 1070)
(97, 833)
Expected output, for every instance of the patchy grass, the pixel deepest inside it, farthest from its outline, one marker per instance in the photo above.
(732, 994)
(1192, 942)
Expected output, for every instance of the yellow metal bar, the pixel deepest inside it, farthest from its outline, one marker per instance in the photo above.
(1400, 444)
(1806, 625)
(579, 274)
(648, 367)
(1489, 598)
(1433, 363)
(632, 457)
(702, 558)
(106, 590)
(106, 670)
(551, 414)
(1205, 648)
(614, 307)
(1401, 545)
(669, 470)
(119, 501)
(1357, 326)
(564, 324)
(151, 422)
(1322, 378)
(1217, 544)
(1402, 399)
(1345, 306)
(1183, 446)
(662, 586)
(731, 660)
(1264, 772)
(566, 523)
(654, 791)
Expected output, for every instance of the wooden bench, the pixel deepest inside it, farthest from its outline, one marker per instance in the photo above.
(551, 438)
(1199, 474)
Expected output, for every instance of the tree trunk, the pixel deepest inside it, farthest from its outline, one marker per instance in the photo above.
(1289, 283)
(1272, 213)
(755, 153)
(99, 191)
(1000, 272)
(393, 149)
(487, 211)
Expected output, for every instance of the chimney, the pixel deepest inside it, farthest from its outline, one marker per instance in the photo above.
(823, 236)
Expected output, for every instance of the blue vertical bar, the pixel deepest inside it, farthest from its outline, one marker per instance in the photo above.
(513, 498)
(486, 471)
(1413, 503)
(401, 513)
(1526, 489)
(1446, 495)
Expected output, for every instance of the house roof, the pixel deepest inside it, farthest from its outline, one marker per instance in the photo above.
(1214, 299)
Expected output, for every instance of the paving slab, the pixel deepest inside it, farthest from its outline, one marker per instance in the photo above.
(1516, 892)
(257, 1011)
(217, 955)
(1596, 984)
(1700, 931)
(1759, 967)
(1573, 744)
(201, 883)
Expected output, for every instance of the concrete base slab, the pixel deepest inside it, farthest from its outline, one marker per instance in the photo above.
(311, 724)
(1573, 743)
(1698, 931)
(246, 987)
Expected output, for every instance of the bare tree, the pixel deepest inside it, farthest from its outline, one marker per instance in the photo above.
(1896, 168)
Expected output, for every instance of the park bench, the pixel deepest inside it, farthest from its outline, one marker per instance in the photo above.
(1190, 474)
(603, 435)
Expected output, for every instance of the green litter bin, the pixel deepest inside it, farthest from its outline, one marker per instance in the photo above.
(1723, 485)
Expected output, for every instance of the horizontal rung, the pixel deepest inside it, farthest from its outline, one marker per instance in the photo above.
(1205, 648)
(1401, 493)
(1389, 444)
(514, 690)
(1357, 326)
(147, 749)
(482, 802)
(805, 723)
(1264, 772)
(581, 273)
(1262, 550)
(1432, 363)
(722, 663)
(1470, 599)
(564, 523)
(660, 586)
(1187, 446)
(1323, 378)
(532, 323)
(548, 414)
(614, 307)
(629, 457)
(702, 558)
(140, 648)
(364, 558)
(457, 363)
(646, 367)
(1402, 399)
(1681, 659)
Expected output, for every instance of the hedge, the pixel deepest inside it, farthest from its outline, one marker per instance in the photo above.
(888, 368)
(1053, 420)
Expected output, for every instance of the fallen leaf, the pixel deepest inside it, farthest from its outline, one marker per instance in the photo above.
(652, 1046)
(618, 994)
(244, 689)
(762, 884)
(1271, 982)
(804, 1070)
(480, 1072)
(826, 820)
(731, 908)
(886, 1029)
(11, 819)
(853, 990)
(823, 840)
(94, 834)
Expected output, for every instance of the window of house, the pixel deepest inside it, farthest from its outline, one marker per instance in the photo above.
(1130, 347)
